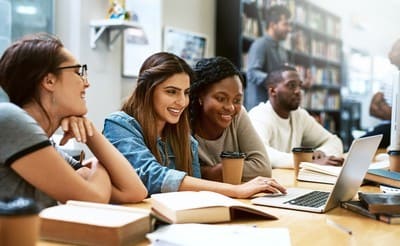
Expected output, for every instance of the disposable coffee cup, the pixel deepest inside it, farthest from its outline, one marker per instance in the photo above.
(301, 154)
(394, 160)
(19, 222)
(232, 167)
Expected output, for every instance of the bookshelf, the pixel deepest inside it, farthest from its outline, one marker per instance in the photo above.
(314, 47)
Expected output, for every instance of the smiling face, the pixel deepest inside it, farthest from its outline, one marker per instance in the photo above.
(220, 103)
(70, 86)
(170, 98)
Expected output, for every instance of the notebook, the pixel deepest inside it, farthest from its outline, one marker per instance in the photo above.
(347, 184)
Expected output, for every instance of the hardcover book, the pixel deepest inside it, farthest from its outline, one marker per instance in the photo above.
(88, 223)
(390, 218)
(358, 207)
(384, 176)
(202, 207)
(381, 202)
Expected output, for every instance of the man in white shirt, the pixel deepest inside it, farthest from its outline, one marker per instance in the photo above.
(282, 125)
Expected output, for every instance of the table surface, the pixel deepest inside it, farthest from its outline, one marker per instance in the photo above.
(307, 228)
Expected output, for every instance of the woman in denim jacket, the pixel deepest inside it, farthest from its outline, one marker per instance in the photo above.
(152, 132)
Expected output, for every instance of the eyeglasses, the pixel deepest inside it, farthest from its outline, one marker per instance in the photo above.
(82, 70)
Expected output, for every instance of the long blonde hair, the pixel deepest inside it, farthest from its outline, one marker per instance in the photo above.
(155, 70)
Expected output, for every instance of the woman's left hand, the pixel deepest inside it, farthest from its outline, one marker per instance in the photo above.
(77, 127)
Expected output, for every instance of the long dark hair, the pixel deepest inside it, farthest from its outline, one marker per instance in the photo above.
(24, 65)
(26, 62)
(155, 70)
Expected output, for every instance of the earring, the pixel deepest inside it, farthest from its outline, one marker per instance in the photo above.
(200, 102)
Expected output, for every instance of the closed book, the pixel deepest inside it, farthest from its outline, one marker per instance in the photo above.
(387, 203)
(358, 207)
(88, 223)
(202, 207)
(384, 176)
(390, 218)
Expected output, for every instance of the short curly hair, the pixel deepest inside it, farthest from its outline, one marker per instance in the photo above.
(208, 71)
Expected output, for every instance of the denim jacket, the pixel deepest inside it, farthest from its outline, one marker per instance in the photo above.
(125, 133)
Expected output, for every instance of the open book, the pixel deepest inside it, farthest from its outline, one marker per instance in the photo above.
(313, 172)
(201, 207)
(90, 223)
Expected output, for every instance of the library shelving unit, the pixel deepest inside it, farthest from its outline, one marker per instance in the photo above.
(314, 47)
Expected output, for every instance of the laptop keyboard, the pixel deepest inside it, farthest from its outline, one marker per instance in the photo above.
(313, 199)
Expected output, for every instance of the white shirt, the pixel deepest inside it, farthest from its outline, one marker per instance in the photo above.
(280, 135)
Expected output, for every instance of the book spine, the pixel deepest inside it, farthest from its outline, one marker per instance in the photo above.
(389, 219)
(380, 179)
(358, 210)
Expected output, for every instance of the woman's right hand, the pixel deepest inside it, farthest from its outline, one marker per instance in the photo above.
(77, 127)
(258, 185)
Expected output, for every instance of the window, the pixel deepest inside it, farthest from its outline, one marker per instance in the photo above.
(21, 17)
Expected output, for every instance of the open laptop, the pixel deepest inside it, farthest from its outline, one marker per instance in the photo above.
(347, 184)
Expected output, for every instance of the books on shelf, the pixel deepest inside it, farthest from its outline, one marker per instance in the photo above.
(89, 223)
(327, 174)
(388, 203)
(201, 207)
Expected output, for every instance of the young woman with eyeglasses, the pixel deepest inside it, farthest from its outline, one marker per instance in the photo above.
(152, 132)
(46, 86)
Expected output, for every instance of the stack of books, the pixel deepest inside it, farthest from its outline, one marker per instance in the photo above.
(380, 206)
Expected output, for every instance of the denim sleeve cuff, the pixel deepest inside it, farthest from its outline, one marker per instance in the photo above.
(172, 181)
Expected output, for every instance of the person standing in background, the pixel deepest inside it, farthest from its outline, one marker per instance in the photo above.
(266, 55)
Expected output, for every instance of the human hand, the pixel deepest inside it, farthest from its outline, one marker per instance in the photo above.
(84, 172)
(77, 127)
(257, 185)
(319, 157)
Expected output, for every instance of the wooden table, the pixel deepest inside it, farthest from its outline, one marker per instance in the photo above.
(307, 228)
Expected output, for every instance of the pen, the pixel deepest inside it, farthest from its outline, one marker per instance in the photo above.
(81, 157)
(338, 226)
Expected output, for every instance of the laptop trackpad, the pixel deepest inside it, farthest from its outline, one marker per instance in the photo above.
(291, 194)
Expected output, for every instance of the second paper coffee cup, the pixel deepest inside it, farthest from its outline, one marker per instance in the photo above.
(301, 154)
(232, 166)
